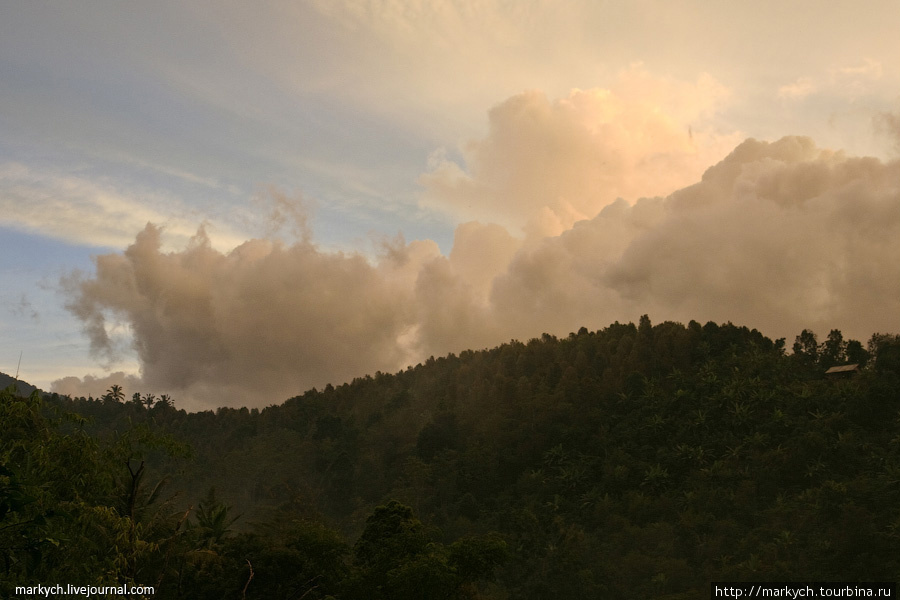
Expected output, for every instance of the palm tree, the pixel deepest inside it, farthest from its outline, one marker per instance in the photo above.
(149, 399)
(115, 393)
(213, 521)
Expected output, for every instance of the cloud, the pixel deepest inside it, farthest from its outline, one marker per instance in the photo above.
(286, 213)
(848, 82)
(803, 87)
(780, 236)
(867, 69)
(888, 123)
(97, 386)
(22, 308)
(251, 325)
(857, 81)
(90, 212)
(401, 61)
(546, 164)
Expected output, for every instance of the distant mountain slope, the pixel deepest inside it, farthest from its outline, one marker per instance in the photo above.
(23, 388)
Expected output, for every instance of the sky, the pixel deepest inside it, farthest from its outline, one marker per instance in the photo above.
(234, 202)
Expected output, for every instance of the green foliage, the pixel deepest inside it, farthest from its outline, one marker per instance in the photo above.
(213, 521)
(398, 558)
(886, 349)
(73, 508)
(638, 461)
(301, 559)
(834, 351)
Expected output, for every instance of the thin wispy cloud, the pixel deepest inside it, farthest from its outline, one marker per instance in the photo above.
(84, 211)
(801, 88)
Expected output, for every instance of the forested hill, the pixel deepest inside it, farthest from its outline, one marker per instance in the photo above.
(21, 387)
(637, 461)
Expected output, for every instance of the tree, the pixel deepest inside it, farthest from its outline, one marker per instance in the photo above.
(148, 400)
(74, 509)
(213, 521)
(806, 347)
(833, 351)
(886, 350)
(856, 353)
(397, 558)
(115, 393)
(392, 534)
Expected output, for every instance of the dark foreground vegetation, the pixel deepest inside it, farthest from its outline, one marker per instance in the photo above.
(634, 462)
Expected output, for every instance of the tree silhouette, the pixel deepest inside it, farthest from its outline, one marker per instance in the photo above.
(115, 393)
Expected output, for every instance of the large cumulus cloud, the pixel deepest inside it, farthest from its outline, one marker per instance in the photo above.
(777, 235)
(251, 325)
(545, 165)
(780, 236)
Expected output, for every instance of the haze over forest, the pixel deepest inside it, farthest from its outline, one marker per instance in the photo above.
(232, 207)
(636, 461)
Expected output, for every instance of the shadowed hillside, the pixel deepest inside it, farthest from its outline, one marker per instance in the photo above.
(22, 388)
(637, 461)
